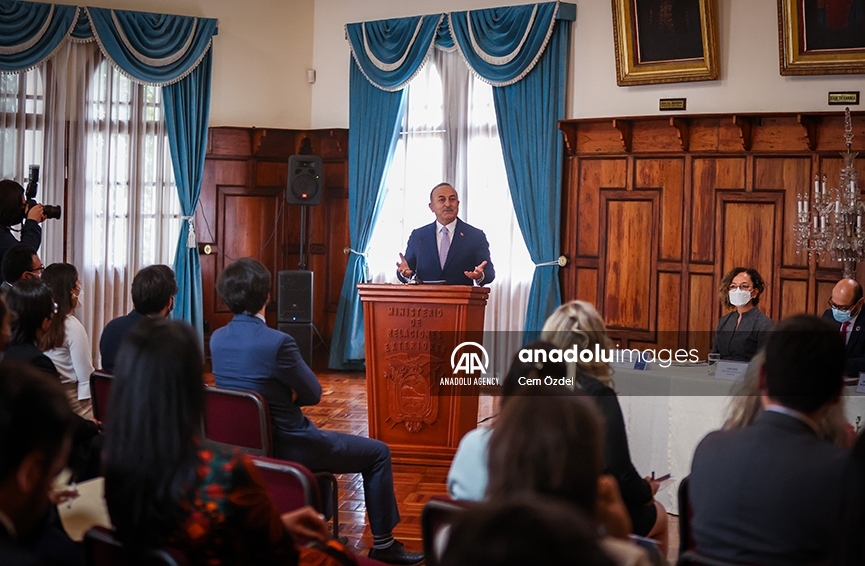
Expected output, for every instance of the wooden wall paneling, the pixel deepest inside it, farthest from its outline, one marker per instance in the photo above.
(739, 178)
(788, 174)
(629, 260)
(587, 286)
(703, 312)
(569, 226)
(669, 311)
(749, 226)
(794, 298)
(595, 174)
(666, 176)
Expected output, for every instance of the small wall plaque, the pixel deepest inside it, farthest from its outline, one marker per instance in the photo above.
(844, 98)
(666, 104)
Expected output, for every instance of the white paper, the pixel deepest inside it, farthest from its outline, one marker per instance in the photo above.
(731, 371)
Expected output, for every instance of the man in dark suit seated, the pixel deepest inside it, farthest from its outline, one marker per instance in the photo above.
(20, 262)
(447, 250)
(767, 493)
(247, 355)
(35, 437)
(845, 308)
(153, 291)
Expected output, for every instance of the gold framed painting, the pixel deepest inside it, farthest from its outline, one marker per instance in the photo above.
(821, 37)
(665, 41)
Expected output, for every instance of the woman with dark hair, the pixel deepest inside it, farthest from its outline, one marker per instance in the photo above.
(66, 341)
(32, 309)
(742, 332)
(549, 442)
(163, 485)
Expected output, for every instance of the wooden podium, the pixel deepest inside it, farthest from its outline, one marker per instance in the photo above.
(418, 404)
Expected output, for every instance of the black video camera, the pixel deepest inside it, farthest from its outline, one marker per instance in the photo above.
(50, 210)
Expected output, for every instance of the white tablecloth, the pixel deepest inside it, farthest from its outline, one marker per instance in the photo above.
(668, 411)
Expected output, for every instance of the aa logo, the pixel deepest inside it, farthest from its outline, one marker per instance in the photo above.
(472, 358)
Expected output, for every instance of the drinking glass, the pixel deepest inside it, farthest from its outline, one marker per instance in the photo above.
(714, 358)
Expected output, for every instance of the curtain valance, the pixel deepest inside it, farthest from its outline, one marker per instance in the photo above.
(389, 53)
(501, 45)
(156, 49)
(31, 32)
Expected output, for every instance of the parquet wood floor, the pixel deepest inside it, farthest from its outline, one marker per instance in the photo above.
(343, 408)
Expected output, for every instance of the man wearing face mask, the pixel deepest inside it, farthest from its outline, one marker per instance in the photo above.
(844, 313)
(14, 211)
(741, 333)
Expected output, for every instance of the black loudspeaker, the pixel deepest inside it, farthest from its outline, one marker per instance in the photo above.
(304, 180)
(302, 334)
(294, 302)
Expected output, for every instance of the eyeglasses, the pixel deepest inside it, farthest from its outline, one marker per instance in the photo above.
(743, 287)
(839, 307)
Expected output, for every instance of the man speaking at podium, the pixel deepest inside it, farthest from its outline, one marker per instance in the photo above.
(448, 250)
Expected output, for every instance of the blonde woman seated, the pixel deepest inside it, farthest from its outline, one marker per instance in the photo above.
(747, 404)
(578, 323)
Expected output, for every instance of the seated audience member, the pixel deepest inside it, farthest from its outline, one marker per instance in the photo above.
(66, 342)
(163, 485)
(523, 530)
(740, 334)
(850, 546)
(578, 323)
(35, 435)
(767, 493)
(746, 404)
(550, 443)
(467, 477)
(248, 355)
(32, 309)
(20, 262)
(845, 307)
(153, 290)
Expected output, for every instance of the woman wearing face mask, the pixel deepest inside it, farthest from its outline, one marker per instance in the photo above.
(66, 341)
(741, 333)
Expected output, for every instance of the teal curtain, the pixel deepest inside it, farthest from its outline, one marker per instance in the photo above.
(187, 108)
(386, 55)
(31, 32)
(157, 49)
(523, 52)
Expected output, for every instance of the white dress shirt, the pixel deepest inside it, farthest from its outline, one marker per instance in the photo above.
(72, 359)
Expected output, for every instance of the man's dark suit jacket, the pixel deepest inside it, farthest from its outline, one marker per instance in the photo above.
(856, 344)
(31, 234)
(765, 494)
(112, 337)
(469, 248)
(249, 355)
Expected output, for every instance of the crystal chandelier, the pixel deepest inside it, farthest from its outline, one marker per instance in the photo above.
(830, 223)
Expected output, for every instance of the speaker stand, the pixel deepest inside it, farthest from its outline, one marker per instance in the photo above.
(302, 264)
(321, 338)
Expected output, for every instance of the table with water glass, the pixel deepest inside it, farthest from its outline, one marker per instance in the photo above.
(667, 412)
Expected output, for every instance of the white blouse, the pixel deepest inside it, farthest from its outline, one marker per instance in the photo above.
(73, 360)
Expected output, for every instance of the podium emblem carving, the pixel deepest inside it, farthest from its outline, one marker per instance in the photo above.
(412, 393)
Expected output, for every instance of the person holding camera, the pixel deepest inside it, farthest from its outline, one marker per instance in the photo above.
(13, 210)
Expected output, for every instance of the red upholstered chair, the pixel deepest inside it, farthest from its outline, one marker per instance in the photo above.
(100, 393)
(102, 549)
(291, 485)
(437, 516)
(241, 419)
(238, 419)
